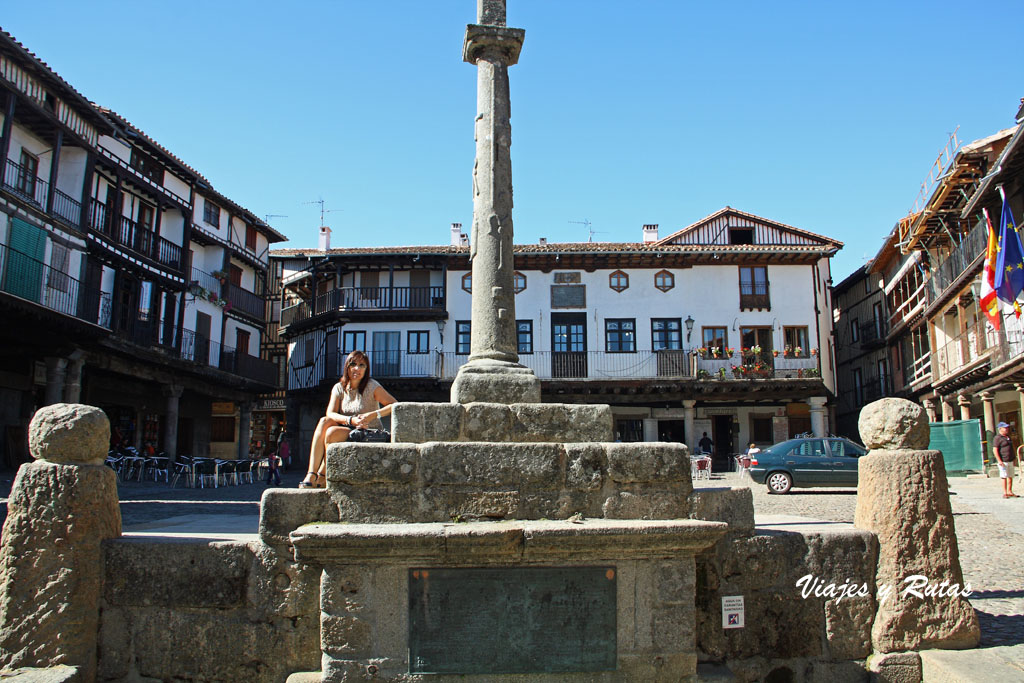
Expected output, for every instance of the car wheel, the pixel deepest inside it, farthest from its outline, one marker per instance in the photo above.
(779, 482)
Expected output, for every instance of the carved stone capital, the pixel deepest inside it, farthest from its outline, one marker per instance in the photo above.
(497, 40)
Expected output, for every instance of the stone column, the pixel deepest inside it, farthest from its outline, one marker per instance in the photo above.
(1020, 399)
(651, 430)
(989, 412)
(61, 509)
(493, 372)
(73, 381)
(929, 407)
(244, 428)
(689, 413)
(817, 415)
(903, 498)
(173, 393)
(965, 406)
(56, 369)
(947, 409)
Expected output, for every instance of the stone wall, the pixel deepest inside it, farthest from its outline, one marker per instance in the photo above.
(206, 611)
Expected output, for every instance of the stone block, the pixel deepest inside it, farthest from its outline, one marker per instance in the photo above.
(585, 465)
(492, 464)
(345, 590)
(499, 422)
(894, 423)
(732, 505)
(176, 575)
(377, 503)
(903, 498)
(344, 635)
(895, 667)
(647, 462)
(420, 422)
(646, 502)
(487, 422)
(284, 510)
(562, 422)
(69, 433)
(371, 463)
(848, 627)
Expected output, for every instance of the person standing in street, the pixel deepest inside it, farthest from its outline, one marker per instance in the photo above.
(705, 444)
(1002, 449)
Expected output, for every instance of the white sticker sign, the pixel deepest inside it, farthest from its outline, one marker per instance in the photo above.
(732, 611)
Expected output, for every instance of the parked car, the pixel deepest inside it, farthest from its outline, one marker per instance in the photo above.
(807, 462)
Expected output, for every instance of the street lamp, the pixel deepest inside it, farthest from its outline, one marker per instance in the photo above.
(689, 327)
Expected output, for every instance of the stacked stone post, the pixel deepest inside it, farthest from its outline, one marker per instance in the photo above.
(61, 509)
(903, 498)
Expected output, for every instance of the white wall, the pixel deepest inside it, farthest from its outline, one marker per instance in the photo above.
(23, 138)
(708, 294)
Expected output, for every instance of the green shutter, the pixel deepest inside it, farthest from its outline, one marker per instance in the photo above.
(23, 272)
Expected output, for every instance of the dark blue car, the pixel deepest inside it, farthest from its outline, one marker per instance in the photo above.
(807, 462)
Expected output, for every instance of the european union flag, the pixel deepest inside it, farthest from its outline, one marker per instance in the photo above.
(1010, 263)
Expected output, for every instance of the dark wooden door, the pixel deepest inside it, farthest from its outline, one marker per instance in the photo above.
(568, 344)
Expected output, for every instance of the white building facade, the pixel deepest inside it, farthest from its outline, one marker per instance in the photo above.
(723, 327)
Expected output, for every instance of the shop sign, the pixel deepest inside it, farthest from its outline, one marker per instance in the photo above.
(223, 408)
(271, 404)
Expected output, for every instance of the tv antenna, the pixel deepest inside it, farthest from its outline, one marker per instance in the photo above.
(267, 217)
(323, 211)
(591, 232)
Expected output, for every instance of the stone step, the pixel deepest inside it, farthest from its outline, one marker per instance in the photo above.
(1004, 664)
(498, 422)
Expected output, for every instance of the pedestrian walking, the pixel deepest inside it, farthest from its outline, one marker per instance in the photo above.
(272, 463)
(1002, 449)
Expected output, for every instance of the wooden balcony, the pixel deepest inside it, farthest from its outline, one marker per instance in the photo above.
(365, 301)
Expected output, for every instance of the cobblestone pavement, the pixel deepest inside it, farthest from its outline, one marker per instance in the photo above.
(989, 530)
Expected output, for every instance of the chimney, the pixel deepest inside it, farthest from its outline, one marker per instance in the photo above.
(650, 233)
(325, 238)
(456, 234)
(543, 240)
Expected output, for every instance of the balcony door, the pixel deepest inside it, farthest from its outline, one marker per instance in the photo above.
(568, 344)
(23, 275)
(203, 324)
(758, 336)
(386, 358)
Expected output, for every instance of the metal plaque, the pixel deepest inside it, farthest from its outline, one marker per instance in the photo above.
(512, 620)
(568, 296)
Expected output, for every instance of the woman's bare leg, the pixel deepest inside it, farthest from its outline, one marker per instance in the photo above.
(317, 448)
(335, 434)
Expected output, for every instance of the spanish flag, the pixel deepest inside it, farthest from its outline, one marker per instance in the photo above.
(989, 300)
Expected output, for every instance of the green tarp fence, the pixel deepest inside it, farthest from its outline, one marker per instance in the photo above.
(960, 443)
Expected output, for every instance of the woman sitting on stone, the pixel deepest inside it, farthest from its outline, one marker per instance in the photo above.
(356, 402)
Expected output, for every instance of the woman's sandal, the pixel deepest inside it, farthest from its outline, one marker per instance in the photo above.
(310, 481)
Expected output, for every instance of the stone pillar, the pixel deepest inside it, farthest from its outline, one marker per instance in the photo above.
(73, 380)
(929, 407)
(689, 413)
(817, 416)
(244, 428)
(947, 409)
(173, 393)
(56, 369)
(61, 509)
(651, 430)
(493, 373)
(903, 498)
(989, 412)
(965, 406)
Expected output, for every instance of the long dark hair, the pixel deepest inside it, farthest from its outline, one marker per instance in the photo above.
(350, 360)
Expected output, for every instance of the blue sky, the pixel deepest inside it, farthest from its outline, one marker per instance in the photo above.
(826, 116)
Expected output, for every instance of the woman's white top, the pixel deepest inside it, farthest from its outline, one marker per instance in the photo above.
(353, 403)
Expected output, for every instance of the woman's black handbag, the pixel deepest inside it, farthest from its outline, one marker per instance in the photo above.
(370, 435)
